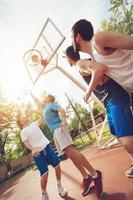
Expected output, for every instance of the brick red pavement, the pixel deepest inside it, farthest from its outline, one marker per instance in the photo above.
(113, 164)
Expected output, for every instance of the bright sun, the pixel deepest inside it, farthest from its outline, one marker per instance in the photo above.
(15, 84)
(16, 93)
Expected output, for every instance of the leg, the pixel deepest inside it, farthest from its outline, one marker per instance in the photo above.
(122, 123)
(122, 118)
(54, 160)
(127, 143)
(80, 162)
(58, 173)
(60, 152)
(62, 192)
(42, 165)
(66, 144)
(44, 179)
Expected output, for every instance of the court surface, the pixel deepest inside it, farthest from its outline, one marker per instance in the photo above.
(112, 162)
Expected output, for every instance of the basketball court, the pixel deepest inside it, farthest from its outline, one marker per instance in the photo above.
(113, 163)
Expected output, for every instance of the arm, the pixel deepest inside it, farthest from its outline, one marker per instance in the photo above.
(34, 151)
(85, 65)
(105, 40)
(40, 120)
(63, 117)
(37, 101)
(27, 145)
(98, 71)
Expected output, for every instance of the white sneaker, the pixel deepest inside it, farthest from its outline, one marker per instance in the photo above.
(62, 192)
(45, 196)
(129, 173)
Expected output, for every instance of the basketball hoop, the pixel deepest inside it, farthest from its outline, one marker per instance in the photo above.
(33, 57)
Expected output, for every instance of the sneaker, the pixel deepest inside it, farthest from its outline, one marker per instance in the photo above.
(62, 192)
(129, 173)
(45, 196)
(98, 188)
(87, 185)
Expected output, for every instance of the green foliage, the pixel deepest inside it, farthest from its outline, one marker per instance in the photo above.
(80, 117)
(14, 148)
(11, 147)
(85, 142)
(120, 18)
(46, 131)
(98, 109)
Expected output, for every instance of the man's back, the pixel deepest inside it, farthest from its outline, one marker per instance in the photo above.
(51, 116)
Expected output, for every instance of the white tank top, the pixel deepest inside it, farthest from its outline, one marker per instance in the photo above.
(120, 66)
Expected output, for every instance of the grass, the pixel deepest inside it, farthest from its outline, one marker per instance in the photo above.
(84, 141)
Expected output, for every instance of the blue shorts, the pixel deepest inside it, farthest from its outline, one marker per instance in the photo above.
(132, 100)
(46, 156)
(120, 117)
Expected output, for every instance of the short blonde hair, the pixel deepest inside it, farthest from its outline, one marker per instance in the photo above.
(19, 120)
(50, 97)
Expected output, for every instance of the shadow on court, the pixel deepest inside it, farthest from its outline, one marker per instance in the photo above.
(115, 196)
(69, 198)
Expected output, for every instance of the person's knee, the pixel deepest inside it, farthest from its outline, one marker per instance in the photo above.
(129, 147)
(127, 143)
(57, 167)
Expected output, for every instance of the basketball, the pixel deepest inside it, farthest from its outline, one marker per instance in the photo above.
(35, 58)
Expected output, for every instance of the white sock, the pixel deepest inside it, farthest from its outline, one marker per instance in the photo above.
(86, 177)
(95, 176)
(44, 191)
(58, 182)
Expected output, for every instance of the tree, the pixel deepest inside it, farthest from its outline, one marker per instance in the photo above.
(78, 115)
(6, 122)
(120, 18)
(98, 109)
(14, 148)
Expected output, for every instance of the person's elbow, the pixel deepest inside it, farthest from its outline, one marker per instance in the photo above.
(102, 72)
(61, 110)
(99, 73)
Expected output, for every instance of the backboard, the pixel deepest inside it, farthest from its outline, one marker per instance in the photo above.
(47, 43)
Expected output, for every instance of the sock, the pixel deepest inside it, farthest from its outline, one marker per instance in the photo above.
(44, 191)
(86, 177)
(58, 182)
(95, 176)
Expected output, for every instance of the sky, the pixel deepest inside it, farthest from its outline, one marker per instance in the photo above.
(21, 22)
